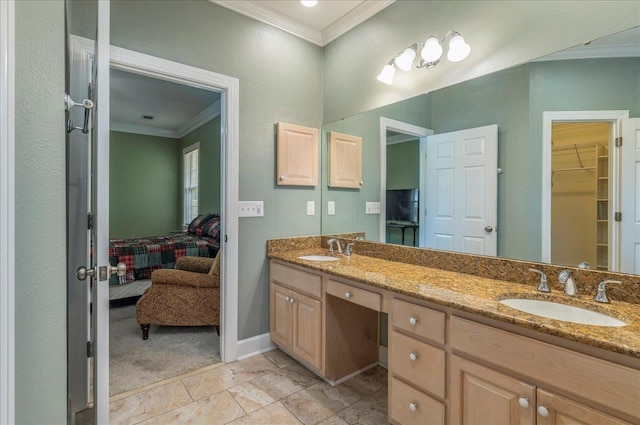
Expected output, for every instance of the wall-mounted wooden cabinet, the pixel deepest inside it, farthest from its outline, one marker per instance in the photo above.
(345, 161)
(297, 153)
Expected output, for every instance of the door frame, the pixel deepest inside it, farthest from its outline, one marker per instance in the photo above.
(613, 117)
(7, 212)
(401, 127)
(150, 66)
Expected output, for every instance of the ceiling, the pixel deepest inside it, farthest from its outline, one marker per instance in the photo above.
(623, 44)
(320, 24)
(177, 109)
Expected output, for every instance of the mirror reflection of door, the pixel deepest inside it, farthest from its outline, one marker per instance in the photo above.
(580, 187)
(403, 182)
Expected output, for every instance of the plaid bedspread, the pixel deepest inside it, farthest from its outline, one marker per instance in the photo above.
(144, 255)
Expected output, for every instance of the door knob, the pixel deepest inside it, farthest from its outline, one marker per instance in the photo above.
(83, 272)
(118, 270)
(488, 229)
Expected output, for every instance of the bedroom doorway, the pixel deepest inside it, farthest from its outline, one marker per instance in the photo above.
(227, 87)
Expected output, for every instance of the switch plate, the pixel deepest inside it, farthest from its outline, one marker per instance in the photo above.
(331, 208)
(311, 207)
(372, 208)
(251, 209)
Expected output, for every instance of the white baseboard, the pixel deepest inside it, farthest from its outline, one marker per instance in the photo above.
(255, 345)
(383, 354)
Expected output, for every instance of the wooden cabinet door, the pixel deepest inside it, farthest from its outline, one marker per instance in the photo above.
(345, 161)
(307, 330)
(281, 316)
(556, 410)
(297, 155)
(480, 395)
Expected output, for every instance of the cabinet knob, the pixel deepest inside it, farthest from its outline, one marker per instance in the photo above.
(543, 411)
(413, 321)
(286, 299)
(413, 406)
(361, 182)
(413, 356)
(291, 300)
(281, 178)
(348, 295)
(523, 402)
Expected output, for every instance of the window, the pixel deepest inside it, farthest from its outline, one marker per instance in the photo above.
(190, 182)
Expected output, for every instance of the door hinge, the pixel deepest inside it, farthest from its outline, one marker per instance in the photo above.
(89, 349)
(90, 221)
(617, 216)
(618, 141)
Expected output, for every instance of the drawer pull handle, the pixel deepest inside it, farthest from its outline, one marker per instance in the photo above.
(543, 411)
(524, 403)
(413, 406)
(413, 356)
(348, 294)
(413, 321)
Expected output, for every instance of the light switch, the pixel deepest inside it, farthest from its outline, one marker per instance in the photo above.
(311, 207)
(372, 208)
(251, 209)
(331, 208)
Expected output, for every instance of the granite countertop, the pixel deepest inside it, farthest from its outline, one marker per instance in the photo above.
(481, 296)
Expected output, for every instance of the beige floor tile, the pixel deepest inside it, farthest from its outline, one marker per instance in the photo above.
(300, 374)
(227, 376)
(320, 401)
(145, 405)
(378, 374)
(264, 390)
(364, 384)
(218, 409)
(371, 410)
(279, 358)
(273, 414)
(333, 420)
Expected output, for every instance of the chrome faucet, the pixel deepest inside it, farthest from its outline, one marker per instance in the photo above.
(543, 287)
(569, 284)
(601, 296)
(331, 241)
(349, 249)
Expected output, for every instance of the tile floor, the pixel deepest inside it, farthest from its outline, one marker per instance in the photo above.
(267, 389)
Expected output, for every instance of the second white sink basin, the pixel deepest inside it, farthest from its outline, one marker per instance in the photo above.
(567, 313)
(318, 258)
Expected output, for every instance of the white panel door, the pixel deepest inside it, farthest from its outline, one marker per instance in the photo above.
(462, 191)
(630, 196)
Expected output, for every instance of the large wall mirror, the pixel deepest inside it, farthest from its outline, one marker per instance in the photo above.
(560, 180)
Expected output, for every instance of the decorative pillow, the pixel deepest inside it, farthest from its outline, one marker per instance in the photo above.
(212, 228)
(195, 227)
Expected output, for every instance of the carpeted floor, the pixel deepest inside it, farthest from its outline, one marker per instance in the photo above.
(170, 351)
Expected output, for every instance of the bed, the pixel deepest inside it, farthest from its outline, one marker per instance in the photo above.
(144, 255)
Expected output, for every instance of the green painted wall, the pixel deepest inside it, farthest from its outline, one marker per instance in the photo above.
(144, 185)
(208, 135)
(403, 165)
(40, 216)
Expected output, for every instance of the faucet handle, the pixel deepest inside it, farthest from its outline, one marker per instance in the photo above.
(601, 296)
(348, 249)
(543, 287)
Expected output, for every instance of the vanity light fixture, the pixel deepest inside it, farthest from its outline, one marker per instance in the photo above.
(429, 55)
(309, 3)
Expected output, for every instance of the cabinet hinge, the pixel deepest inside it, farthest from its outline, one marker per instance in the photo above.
(90, 221)
(89, 349)
(618, 141)
(617, 216)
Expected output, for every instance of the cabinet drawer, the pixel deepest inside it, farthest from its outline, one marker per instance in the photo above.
(298, 280)
(412, 407)
(418, 320)
(355, 295)
(418, 363)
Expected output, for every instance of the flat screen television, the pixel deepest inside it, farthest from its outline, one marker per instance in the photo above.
(402, 205)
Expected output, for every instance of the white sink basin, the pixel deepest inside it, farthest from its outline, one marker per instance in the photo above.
(567, 313)
(318, 258)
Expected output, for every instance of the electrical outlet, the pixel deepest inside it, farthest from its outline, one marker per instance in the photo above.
(331, 208)
(311, 207)
(251, 209)
(372, 208)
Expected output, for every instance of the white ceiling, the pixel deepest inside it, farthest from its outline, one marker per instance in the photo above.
(320, 24)
(623, 44)
(177, 108)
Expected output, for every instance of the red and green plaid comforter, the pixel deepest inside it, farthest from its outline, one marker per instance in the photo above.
(144, 255)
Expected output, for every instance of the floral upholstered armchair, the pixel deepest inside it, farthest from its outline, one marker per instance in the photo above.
(188, 295)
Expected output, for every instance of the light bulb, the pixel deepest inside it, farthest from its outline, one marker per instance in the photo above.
(405, 60)
(386, 76)
(458, 49)
(309, 3)
(432, 50)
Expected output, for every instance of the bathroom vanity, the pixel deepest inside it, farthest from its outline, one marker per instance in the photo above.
(455, 353)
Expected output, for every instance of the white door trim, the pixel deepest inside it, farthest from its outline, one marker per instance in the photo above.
(401, 127)
(7, 212)
(548, 117)
(139, 63)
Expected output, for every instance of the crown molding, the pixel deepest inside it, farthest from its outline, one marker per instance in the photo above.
(595, 52)
(292, 26)
(203, 117)
(401, 138)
